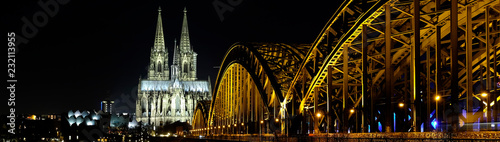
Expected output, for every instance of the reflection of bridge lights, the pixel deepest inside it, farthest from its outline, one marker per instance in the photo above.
(277, 120)
(242, 124)
(234, 124)
(229, 126)
(262, 122)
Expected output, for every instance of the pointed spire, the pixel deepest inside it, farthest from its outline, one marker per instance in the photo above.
(159, 44)
(176, 51)
(185, 43)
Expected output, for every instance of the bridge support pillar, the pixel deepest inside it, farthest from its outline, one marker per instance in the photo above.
(345, 93)
(364, 81)
(316, 111)
(470, 90)
(388, 71)
(329, 93)
(454, 66)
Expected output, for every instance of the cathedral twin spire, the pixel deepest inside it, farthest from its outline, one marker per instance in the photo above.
(159, 39)
(184, 62)
(158, 68)
(185, 44)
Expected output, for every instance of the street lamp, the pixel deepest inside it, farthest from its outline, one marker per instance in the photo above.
(484, 94)
(277, 120)
(401, 105)
(352, 110)
(262, 122)
(318, 115)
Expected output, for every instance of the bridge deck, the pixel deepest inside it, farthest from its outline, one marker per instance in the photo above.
(397, 136)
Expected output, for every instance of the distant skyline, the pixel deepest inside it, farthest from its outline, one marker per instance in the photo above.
(89, 51)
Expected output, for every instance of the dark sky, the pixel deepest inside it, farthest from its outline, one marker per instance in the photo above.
(93, 50)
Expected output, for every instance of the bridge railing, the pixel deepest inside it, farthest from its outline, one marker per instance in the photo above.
(485, 136)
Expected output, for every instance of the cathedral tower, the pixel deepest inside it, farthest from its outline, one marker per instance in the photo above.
(163, 100)
(158, 64)
(185, 58)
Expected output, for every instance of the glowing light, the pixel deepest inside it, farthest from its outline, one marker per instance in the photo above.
(234, 124)
(318, 115)
(394, 120)
(484, 94)
(32, 117)
(352, 110)
(379, 127)
(262, 122)
(242, 124)
(277, 120)
(438, 97)
(434, 123)
(90, 123)
(401, 104)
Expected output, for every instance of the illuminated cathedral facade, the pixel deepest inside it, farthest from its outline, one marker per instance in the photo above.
(170, 93)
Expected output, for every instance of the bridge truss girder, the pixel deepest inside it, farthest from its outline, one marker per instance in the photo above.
(358, 81)
(376, 66)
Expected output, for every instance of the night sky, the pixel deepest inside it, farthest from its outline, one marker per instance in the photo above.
(94, 50)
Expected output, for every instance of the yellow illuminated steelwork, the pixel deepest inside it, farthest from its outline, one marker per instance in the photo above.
(252, 77)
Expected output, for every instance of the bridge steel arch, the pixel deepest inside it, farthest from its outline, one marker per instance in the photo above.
(377, 66)
(250, 86)
(201, 117)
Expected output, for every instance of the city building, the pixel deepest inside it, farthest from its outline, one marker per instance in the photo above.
(107, 106)
(170, 94)
(94, 125)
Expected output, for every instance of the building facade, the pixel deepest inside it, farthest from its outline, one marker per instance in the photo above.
(107, 106)
(170, 94)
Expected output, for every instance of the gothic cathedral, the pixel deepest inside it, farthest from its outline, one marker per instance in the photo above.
(165, 99)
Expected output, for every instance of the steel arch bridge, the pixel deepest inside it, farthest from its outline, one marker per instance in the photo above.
(377, 66)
